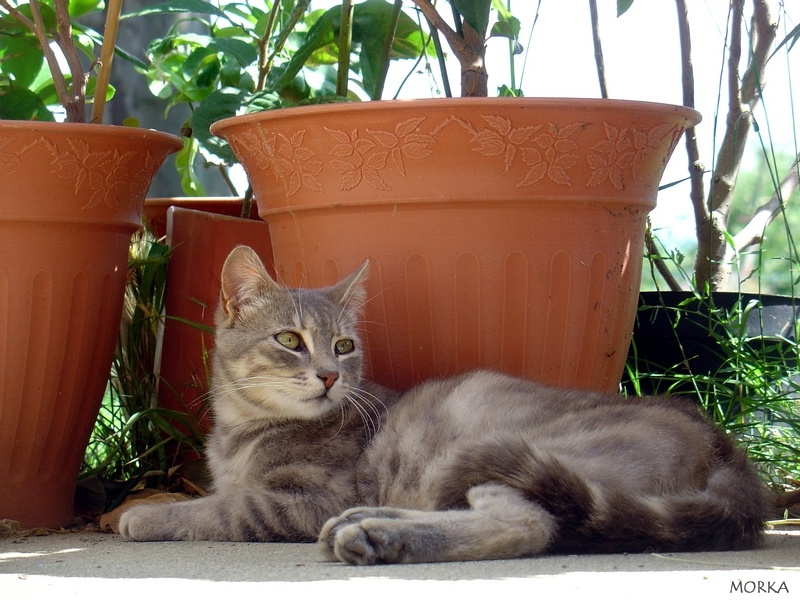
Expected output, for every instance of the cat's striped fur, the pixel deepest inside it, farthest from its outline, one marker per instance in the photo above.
(479, 466)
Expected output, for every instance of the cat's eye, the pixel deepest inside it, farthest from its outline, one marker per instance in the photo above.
(289, 340)
(345, 346)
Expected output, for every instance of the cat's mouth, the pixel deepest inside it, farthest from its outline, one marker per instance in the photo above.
(321, 399)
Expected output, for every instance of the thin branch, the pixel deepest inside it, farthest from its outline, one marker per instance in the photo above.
(20, 17)
(711, 267)
(598, 49)
(345, 40)
(655, 257)
(695, 167)
(440, 59)
(387, 49)
(265, 61)
(76, 104)
(106, 59)
(247, 202)
(742, 99)
(454, 39)
(36, 26)
(753, 232)
(469, 50)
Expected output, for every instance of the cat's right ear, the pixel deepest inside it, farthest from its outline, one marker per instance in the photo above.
(244, 278)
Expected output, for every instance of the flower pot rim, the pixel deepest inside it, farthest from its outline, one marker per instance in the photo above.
(169, 200)
(81, 129)
(561, 103)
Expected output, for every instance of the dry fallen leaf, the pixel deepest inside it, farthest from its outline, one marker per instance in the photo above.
(110, 520)
(8, 526)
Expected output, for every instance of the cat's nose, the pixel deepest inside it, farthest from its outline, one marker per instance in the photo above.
(328, 378)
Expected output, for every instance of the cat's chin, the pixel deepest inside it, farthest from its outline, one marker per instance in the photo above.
(309, 407)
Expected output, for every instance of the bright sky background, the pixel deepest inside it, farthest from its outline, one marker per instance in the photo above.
(642, 62)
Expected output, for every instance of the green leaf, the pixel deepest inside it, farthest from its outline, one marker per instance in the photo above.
(91, 89)
(78, 8)
(217, 105)
(10, 25)
(23, 105)
(503, 29)
(244, 53)
(506, 92)
(475, 12)
(184, 164)
(22, 59)
(263, 101)
(178, 6)
(623, 6)
(320, 34)
(789, 41)
(371, 20)
(201, 67)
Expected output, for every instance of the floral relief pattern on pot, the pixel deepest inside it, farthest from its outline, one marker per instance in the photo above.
(547, 150)
(623, 150)
(100, 176)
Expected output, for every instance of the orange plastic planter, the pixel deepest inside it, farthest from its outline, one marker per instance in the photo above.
(71, 196)
(155, 209)
(200, 241)
(503, 233)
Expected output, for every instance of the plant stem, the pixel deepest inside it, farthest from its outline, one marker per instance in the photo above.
(753, 232)
(247, 202)
(36, 26)
(696, 168)
(387, 50)
(660, 264)
(106, 58)
(76, 103)
(469, 50)
(598, 49)
(437, 44)
(264, 61)
(744, 93)
(345, 41)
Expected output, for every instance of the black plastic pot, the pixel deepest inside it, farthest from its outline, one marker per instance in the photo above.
(678, 334)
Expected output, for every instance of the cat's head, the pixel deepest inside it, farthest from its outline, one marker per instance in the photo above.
(284, 353)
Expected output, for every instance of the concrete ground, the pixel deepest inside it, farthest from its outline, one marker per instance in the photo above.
(95, 565)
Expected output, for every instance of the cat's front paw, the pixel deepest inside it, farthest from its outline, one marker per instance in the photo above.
(364, 536)
(146, 524)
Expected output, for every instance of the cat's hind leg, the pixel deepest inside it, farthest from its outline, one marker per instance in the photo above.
(499, 523)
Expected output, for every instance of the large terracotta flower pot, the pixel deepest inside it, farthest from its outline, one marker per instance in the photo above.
(71, 196)
(200, 242)
(503, 233)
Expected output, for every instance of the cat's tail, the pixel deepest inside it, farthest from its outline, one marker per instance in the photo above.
(728, 513)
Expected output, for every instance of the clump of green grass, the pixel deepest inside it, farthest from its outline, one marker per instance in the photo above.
(752, 391)
(133, 436)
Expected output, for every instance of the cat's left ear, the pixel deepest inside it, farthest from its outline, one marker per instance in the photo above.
(350, 291)
(244, 278)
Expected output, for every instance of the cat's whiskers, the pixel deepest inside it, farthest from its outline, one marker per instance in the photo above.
(370, 399)
(369, 424)
(368, 410)
(342, 413)
(298, 308)
(238, 386)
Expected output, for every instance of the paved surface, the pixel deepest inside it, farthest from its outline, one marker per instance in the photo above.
(97, 565)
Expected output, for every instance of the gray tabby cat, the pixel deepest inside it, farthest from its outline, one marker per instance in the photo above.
(480, 466)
